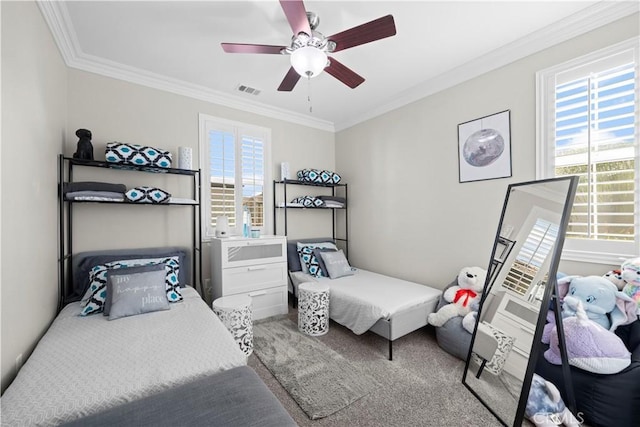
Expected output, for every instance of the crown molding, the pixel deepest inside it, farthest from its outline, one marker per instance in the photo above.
(57, 18)
(586, 20)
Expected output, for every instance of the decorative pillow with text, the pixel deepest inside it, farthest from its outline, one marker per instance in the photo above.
(136, 290)
(96, 295)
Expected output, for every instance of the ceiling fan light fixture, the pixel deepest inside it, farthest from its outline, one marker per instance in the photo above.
(308, 61)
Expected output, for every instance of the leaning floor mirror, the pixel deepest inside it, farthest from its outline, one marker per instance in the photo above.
(518, 290)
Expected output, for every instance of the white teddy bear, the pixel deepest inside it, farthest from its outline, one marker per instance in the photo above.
(461, 297)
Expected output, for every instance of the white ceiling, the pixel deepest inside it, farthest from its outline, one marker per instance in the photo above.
(176, 46)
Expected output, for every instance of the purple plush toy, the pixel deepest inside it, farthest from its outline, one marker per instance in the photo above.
(589, 346)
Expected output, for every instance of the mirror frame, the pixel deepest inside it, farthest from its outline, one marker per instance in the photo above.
(551, 291)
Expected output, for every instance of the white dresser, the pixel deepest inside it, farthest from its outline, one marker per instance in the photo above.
(256, 267)
(517, 318)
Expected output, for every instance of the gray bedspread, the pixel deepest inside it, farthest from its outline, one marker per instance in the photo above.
(236, 397)
(86, 365)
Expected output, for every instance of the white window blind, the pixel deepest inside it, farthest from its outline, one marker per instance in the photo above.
(234, 157)
(532, 255)
(589, 125)
(253, 178)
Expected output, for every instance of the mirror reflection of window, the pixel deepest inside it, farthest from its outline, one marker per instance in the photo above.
(531, 257)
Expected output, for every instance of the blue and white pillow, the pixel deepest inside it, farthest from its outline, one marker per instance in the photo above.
(139, 155)
(309, 260)
(95, 297)
(147, 195)
(308, 257)
(318, 176)
(309, 201)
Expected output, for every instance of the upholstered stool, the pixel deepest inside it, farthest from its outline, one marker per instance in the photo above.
(235, 313)
(313, 308)
(492, 338)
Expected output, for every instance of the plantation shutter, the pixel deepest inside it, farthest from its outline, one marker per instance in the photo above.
(531, 256)
(253, 178)
(222, 161)
(595, 110)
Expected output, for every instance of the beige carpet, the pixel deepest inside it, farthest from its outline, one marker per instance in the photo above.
(320, 380)
(420, 387)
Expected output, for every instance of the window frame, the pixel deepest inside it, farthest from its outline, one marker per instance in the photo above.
(584, 250)
(207, 123)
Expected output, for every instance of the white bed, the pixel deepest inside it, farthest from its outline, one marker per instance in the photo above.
(368, 301)
(360, 301)
(86, 365)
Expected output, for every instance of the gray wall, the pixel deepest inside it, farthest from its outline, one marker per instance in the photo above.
(34, 100)
(43, 104)
(410, 217)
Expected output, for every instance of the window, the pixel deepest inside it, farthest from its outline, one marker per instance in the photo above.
(532, 256)
(588, 119)
(235, 159)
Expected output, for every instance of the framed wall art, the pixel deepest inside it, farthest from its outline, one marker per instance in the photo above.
(484, 147)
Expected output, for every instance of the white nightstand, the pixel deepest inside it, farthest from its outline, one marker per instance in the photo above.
(255, 267)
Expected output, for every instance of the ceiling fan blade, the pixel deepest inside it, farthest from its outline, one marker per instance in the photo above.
(251, 48)
(371, 31)
(296, 15)
(289, 81)
(344, 74)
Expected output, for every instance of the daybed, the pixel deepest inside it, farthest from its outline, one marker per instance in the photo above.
(367, 301)
(603, 400)
(178, 366)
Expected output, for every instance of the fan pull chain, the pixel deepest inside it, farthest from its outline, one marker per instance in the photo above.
(309, 94)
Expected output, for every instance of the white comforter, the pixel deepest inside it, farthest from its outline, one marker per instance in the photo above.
(84, 365)
(359, 301)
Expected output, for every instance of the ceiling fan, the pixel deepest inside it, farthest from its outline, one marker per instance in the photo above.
(309, 48)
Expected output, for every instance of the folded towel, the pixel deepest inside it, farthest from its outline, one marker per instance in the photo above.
(340, 200)
(333, 205)
(95, 196)
(93, 186)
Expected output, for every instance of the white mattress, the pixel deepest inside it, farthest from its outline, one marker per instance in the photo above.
(359, 301)
(84, 365)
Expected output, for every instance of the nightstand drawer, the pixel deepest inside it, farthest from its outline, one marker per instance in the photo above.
(236, 252)
(269, 302)
(253, 278)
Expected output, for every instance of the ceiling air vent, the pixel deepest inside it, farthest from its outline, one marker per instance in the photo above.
(248, 89)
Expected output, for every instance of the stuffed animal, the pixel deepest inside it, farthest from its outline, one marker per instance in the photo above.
(601, 300)
(469, 321)
(615, 277)
(545, 407)
(589, 346)
(631, 277)
(460, 297)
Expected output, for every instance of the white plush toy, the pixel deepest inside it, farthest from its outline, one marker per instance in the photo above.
(631, 277)
(461, 297)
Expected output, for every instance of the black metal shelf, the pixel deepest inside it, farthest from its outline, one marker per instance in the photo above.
(309, 207)
(124, 202)
(284, 209)
(66, 164)
(138, 168)
(313, 184)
